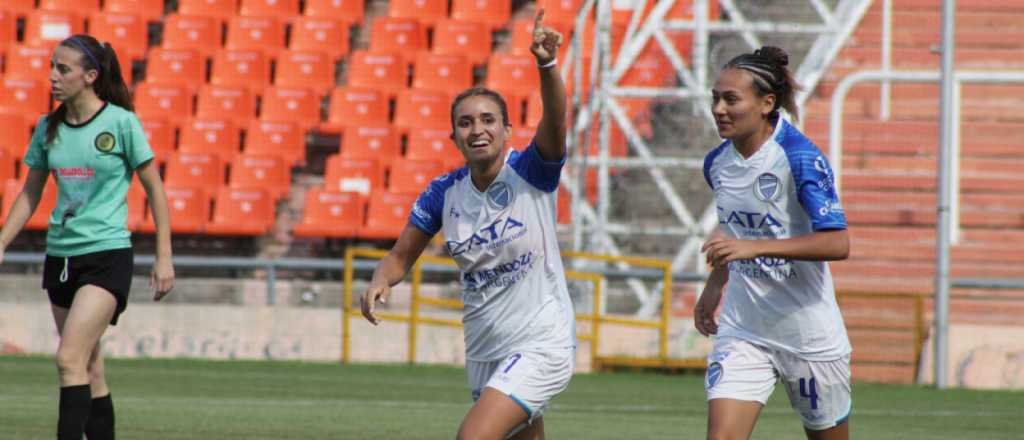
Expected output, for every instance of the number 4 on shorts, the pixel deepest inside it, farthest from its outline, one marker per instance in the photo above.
(813, 395)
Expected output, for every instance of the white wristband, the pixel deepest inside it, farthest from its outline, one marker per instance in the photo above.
(552, 63)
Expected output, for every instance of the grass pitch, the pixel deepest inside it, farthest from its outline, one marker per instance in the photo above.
(191, 399)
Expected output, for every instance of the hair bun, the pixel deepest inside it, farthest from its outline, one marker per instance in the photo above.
(775, 54)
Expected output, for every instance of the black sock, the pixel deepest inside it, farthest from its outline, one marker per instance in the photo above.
(101, 419)
(75, 401)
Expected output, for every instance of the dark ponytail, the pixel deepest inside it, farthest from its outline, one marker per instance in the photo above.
(109, 85)
(771, 76)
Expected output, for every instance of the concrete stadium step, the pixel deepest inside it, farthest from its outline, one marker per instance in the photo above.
(961, 6)
(883, 373)
(926, 180)
(923, 91)
(930, 163)
(931, 36)
(923, 131)
(966, 19)
(1006, 109)
(927, 217)
(925, 252)
(897, 268)
(852, 59)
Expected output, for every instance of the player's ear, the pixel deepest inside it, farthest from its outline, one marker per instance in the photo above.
(767, 104)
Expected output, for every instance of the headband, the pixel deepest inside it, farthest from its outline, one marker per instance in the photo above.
(86, 51)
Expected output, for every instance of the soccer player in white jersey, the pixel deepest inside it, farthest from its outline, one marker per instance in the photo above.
(497, 215)
(780, 220)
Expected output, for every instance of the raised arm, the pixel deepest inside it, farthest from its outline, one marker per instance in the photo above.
(392, 268)
(24, 205)
(550, 136)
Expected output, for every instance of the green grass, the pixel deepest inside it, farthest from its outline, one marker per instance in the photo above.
(187, 399)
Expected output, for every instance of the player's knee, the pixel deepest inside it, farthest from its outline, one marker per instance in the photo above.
(95, 370)
(71, 361)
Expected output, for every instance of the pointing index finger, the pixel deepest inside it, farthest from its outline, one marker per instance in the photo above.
(538, 21)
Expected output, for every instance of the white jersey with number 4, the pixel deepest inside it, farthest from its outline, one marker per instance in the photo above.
(504, 242)
(786, 189)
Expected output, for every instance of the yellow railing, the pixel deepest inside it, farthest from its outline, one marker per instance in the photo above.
(414, 317)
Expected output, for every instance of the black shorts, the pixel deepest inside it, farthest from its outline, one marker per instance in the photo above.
(110, 270)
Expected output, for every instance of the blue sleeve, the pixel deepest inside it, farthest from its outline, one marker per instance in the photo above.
(427, 213)
(542, 174)
(710, 160)
(816, 189)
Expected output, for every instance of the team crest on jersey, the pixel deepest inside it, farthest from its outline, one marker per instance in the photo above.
(768, 187)
(500, 195)
(105, 142)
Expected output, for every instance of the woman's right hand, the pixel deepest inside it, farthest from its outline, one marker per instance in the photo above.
(704, 311)
(374, 293)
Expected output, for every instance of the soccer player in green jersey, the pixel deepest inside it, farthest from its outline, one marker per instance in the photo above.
(92, 143)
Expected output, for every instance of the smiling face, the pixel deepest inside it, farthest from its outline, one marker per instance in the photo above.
(479, 130)
(68, 77)
(738, 109)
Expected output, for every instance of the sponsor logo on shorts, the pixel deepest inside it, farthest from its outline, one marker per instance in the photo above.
(715, 371)
(105, 142)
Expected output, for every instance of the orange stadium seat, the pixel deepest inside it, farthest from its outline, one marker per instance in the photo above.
(383, 71)
(411, 176)
(40, 220)
(8, 166)
(76, 6)
(354, 107)
(521, 138)
(422, 108)
(265, 34)
(469, 39)
(149, 10)
(348, 11)
(522, 36)
(380, 143)
(331, 213)
(27, 62)
(49, 28)
(199, 32)
(513, 73)
(125, 32)
(514, 104)
(24, 96)
(312, 70)
(20, 8)
(8, 30)
(222, 10)
(564, 208)
(433, 144)
(171, 102)
(241, 211)
(427, 12)
(17, 130)
(284, 139)
(267, 172)
(291, 104)
(325, 35)
(161, 137)
(447, 73)
(353, 175)
(235, 103)
(182, 67)
(136, 201)
(494, 13)
(202, 170)
(269, 8)
(189, 207)
(386, 215)
(241, 68)
(559, 14)
(403, 36)
(214, 136)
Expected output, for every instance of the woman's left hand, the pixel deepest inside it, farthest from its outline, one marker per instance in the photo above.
(721, 251)
(546, 41)
(162, 278)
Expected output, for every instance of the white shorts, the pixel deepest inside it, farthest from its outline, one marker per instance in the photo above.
(819, 391)
(530, 379)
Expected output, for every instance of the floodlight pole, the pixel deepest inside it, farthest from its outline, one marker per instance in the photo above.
(946, 127)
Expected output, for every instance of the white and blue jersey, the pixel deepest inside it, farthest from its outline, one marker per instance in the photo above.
(504, 242)
(786, 189)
